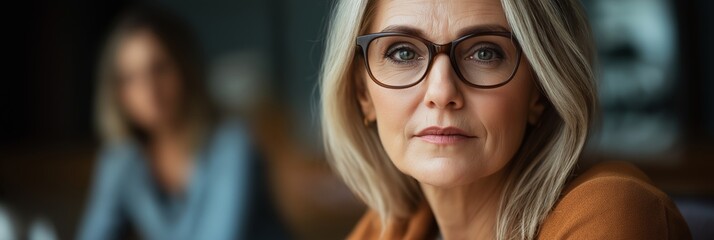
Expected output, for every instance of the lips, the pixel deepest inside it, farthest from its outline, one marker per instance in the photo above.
(439, 135)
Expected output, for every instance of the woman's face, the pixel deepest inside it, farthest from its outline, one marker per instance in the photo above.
(149, 81)
(441, 131)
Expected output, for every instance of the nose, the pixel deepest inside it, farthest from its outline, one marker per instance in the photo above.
(442, 85)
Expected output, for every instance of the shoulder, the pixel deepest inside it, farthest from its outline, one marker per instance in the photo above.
(229, 134)
(228, 151)
(231, 126)
(614, 200)
(226, 142)
(368, 227)
(117, 163)
(419, 225)
(117, 158)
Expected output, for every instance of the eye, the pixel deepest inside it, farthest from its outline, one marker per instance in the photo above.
(402, 54)
(485, 54)
(405, 54)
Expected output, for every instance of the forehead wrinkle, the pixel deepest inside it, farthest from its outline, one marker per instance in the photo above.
(439, 20)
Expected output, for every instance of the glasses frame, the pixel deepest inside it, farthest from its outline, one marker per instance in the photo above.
(364, 41)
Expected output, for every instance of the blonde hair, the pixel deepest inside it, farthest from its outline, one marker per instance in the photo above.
(555, 38)
(177, 39)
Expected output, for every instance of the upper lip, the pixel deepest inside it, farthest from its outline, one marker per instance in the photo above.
(443, 131)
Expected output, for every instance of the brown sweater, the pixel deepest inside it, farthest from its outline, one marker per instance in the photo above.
(611, 200)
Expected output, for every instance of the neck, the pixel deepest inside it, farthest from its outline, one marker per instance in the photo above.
(170, 156)
(167, 134)
(469, 211)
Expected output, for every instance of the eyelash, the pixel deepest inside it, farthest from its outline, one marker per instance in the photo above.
(391, 51)
(487, 46)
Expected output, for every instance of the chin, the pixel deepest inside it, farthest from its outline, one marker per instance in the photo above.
(446, 172)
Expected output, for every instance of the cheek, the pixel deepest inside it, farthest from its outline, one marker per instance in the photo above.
(136, 99)
(503, 113)
(394, 110)
(503, 118)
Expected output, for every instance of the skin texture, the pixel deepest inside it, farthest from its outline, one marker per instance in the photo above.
(460, 180)
(150, 93)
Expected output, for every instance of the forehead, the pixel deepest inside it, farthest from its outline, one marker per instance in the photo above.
(438, 20)
(137, 43)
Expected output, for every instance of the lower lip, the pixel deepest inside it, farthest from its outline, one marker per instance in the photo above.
(444, 139)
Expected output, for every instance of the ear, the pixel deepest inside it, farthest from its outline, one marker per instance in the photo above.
(536, 105)
(365, 100)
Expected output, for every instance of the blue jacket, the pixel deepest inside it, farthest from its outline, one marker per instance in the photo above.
(219, 202)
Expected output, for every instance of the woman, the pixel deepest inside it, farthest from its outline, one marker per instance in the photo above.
(169, 169)
(465, 119)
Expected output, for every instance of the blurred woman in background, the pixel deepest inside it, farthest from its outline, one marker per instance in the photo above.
(169, 168)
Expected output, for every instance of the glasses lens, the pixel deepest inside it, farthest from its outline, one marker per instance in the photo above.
(397, 60)
(487, 60)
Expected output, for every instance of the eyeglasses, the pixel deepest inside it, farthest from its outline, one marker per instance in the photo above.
(481, 60)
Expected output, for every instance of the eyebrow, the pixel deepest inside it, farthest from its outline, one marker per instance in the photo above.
(468, 30)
